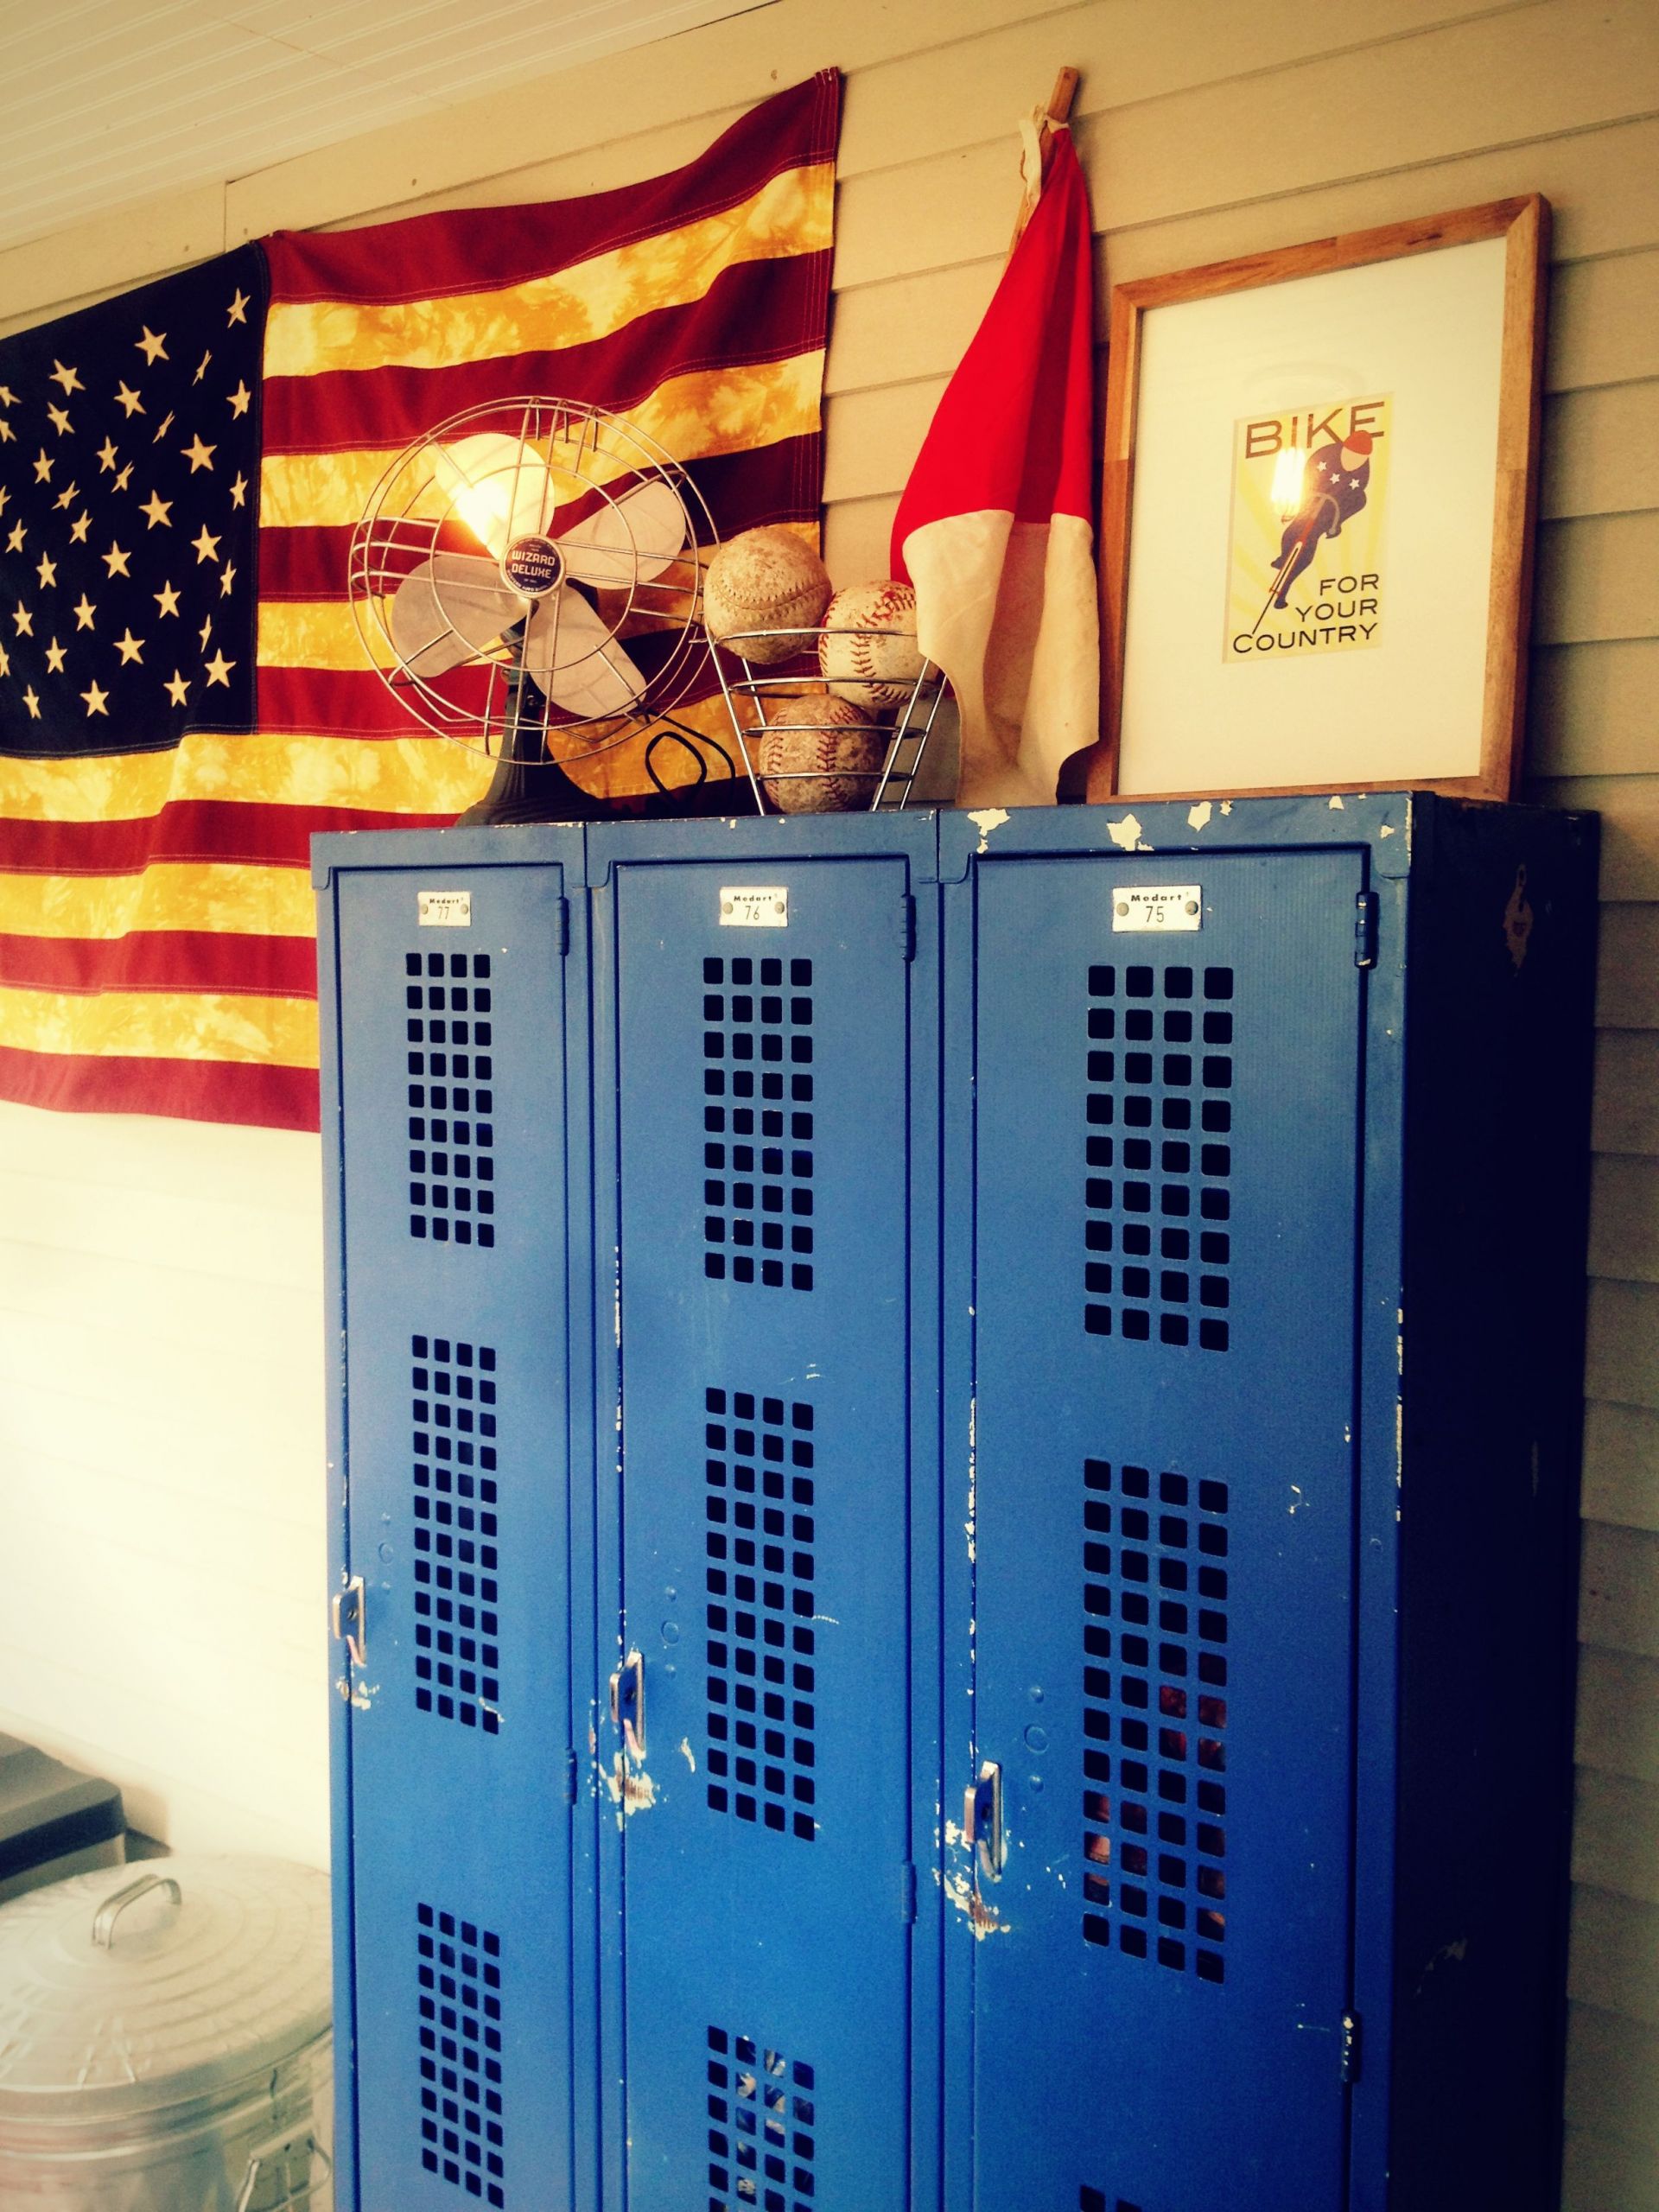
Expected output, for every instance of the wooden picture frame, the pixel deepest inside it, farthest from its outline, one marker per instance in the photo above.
(1271, 743)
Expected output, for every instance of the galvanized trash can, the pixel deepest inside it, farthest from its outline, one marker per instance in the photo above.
(164, 2040)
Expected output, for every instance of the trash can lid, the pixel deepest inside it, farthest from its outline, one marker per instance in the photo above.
(136, 1987)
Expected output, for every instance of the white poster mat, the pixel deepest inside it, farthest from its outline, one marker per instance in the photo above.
(1427, 330)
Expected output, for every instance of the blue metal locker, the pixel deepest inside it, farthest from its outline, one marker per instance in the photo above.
(1164, 1425)
(954, 1447)
(755, 1074)
(444, 995)
(1262, 1649)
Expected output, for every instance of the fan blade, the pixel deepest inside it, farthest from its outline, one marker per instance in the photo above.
(499, 487)
(643, 534)
(448, 610)
(571, 654)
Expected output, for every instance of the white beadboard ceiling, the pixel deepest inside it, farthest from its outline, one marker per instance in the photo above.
(106, 102)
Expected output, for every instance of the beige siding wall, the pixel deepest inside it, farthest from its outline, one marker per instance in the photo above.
(159, 1286)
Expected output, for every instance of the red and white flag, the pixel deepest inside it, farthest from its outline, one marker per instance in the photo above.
(994, 528)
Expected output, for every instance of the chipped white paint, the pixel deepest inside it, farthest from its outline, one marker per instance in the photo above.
(688, 1754)
(1297, 1499)
(1125, 834)
(980, 1917)
(1198, 816)
(630, 1793)
(985, 819)
(953, 1832)
(1226, 806)
(970, 1525)
(1387, 831)
(1336, 803)
(1448, 1954)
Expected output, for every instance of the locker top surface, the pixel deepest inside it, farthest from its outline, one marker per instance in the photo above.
(941, 845)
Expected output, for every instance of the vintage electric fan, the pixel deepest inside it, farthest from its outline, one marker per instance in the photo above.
(525, 579)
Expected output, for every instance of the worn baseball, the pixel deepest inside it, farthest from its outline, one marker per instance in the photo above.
(765, 579)
(819, 755)
(867, 648)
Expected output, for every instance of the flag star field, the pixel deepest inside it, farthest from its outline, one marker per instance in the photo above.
(129, 468)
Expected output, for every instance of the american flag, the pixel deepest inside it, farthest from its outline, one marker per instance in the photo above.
(129, 467)
(174, 726)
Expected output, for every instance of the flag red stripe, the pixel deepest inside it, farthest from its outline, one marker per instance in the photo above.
(222, 832)
(162, 960)
(774, 483)
(189, 1091)
(427, 256)
(345, 701)
(775, 303)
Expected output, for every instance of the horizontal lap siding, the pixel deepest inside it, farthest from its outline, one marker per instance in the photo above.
(1207, 132)
(162, 1572)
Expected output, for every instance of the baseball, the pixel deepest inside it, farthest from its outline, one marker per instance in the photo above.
(867, 649)
(765, 579)
(819, 756)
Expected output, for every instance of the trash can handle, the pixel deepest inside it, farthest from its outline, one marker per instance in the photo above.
(112, 1907)
(279, 2146)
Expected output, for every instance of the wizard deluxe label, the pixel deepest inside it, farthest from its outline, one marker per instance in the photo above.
(1304, 566)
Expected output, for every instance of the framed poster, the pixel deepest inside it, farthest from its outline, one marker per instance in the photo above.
(1317, 519)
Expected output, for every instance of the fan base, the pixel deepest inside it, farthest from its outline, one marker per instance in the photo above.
(523, 791)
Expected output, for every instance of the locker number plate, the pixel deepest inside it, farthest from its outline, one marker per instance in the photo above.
(754, 907)
(444, 910)
(1166, 906)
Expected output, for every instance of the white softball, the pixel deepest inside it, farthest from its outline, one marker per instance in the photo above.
(819, 755)
(765, 579)
(867, 648)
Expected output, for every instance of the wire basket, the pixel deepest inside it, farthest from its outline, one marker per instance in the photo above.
(752, 700)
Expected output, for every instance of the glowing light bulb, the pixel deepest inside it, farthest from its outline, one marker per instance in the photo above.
(500, 489)
(1287, 473)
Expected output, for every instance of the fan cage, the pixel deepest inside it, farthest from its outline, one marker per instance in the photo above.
(595, 459)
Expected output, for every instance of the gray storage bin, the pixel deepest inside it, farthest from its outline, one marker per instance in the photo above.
(54, 1821)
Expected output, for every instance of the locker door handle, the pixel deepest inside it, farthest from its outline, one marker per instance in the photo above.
(981, 1819)
(628, 1705)
(347, 1614)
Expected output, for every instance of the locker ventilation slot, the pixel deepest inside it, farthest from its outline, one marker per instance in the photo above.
(1154, 1681)
(451, 1101)
(761, 1646)
(460, 2053)
(457, 1658)
(757, 1157)
(1157, 1233)
(762, 2127)
(1095, 2200)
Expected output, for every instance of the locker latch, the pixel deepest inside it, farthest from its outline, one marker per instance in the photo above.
(351, 1628)
(981, 1819)
(905, 928)
(1365, 929)
(628, 1705)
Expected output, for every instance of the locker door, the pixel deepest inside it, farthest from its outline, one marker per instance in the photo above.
(454, 1254)
(1166, 1189)
(764, 1329)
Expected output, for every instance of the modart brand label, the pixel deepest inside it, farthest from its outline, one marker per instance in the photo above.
(1305, 569)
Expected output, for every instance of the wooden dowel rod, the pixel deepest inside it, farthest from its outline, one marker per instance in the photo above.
(1061, 99)
(1057, 112)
